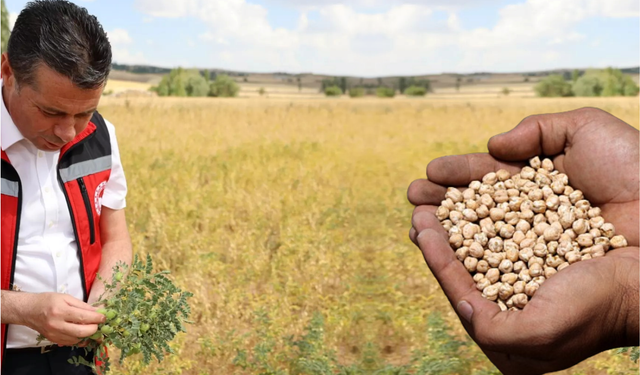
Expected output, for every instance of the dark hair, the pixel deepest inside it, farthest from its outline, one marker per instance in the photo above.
(63, 36)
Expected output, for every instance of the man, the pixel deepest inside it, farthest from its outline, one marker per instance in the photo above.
(63, 187)
(587, 308)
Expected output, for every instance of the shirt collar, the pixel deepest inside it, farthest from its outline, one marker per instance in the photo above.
(10, 134)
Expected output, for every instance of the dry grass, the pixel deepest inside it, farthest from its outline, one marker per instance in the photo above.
(288, 208)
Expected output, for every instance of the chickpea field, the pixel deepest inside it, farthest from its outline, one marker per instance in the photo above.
(288, 221)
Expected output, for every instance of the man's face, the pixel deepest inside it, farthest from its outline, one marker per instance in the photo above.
(51, 111)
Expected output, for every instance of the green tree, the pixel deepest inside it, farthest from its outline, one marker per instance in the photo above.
(224, 87)
(587, 85)
(630, 88)
(5, 27)
(196, 85)
(506, 91)
(553, 86)
(343, 84)
(333, 91)
(575, 75)
(415, 91)
(385, 92)
(402, 84)
(605, 82)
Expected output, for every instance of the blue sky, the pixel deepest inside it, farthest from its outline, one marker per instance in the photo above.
(370, 37)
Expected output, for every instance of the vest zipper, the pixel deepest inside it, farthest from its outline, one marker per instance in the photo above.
(87, 206)
(15, 251)
(75, 232)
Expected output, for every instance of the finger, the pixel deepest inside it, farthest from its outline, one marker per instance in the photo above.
(413, 233)
(424, 217)
(78, 331)
(80, 316)
(62, 339)
(460, 170)
(546, 134)
(74, 302)
(423, 191)
(491, 328)
(455, 280)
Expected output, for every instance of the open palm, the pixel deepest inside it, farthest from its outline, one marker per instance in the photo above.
(589, 307)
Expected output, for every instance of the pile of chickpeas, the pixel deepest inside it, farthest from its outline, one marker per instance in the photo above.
(513, 232)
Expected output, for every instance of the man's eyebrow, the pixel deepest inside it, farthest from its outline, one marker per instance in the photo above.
(59, 112)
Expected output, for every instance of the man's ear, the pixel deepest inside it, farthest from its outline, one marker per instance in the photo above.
(6, 73)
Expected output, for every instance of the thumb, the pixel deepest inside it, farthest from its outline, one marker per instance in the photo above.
(546, 134)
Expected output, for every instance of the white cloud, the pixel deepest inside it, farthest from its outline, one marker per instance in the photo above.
(616, 9)
(124, 56)
(119, 37)
(331, 36)
(12, 19)
(121, 42)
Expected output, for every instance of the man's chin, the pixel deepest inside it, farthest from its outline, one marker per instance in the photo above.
(45, 145)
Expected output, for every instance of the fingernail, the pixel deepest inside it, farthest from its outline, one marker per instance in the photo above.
(423, 233)
(465, 310)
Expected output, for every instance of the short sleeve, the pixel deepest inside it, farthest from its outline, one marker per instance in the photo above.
(115, 191)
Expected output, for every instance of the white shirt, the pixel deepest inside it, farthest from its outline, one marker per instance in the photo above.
(47, 256)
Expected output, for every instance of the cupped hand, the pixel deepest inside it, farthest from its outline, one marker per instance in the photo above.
(587, 308)
(61, 318)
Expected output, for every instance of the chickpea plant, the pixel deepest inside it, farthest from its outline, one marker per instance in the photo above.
(514, 232)
(144, 311)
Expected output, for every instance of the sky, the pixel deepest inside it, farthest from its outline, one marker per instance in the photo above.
(370, 38)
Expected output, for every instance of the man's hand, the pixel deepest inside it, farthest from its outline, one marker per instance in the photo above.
(116, 247)
(61, 318)
(587, 308)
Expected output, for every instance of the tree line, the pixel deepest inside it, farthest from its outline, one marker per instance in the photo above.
(593, 82)
(410, 86)
(193, 82)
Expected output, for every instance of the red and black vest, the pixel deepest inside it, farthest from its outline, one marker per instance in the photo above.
(84, 168)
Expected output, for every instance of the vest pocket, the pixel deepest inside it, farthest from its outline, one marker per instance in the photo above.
(87, 205)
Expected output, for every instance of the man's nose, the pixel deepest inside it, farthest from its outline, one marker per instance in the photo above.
(65, 130)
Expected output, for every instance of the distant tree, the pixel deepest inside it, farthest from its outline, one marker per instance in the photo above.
(343, 84)
(196, 85)
(458, 81)
(245, 79)
(420, 83)
(379, 81)
(575, 75)
(506, 91)
(587, 85)
(553, 86)
(223, 87)
(262, 91)
(179, 85)
(5, 27)
(415, 91)
(605, 82)
(526, 79)
(356, 92)
(385, 92)
(299, 83)
(333, 91)
(402, 84)
(630, 88)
